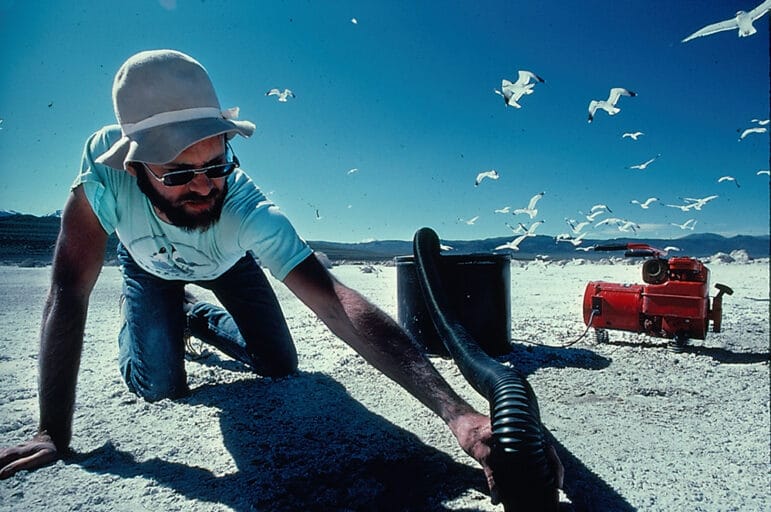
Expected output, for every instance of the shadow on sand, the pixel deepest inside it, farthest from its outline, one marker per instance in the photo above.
(323, 451)
(721, 355)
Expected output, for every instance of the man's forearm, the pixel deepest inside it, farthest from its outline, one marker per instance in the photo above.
(387, 347)
(61, 344)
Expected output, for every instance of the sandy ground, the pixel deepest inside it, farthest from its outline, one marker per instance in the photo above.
(637, 426)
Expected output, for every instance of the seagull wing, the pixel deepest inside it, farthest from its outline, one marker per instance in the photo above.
(525, 76)
(617, 92)
(534, 200)
(273, 92)
(533, 226)
(713, 28)
(592, 109)
(760, 10)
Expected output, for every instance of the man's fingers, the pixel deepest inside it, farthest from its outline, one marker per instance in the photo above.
(556, 464)
(40, 457)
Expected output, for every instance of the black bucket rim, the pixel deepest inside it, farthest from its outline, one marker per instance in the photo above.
(483, 257)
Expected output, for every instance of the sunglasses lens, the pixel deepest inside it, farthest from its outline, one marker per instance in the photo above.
(220, 171)
(178, 178)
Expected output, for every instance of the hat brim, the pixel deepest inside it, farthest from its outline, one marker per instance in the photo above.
(162, 144)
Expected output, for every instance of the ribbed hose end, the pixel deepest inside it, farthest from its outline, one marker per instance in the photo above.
(522, 470)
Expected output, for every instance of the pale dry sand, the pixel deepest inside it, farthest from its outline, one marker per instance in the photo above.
(637, 426)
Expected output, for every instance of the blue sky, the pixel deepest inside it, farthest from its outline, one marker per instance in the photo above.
(405, 95)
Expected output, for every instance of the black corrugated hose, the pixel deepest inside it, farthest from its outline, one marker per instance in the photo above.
(522, 471)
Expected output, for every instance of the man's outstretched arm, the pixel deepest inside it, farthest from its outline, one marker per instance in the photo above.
(385, 345)
(77, 262)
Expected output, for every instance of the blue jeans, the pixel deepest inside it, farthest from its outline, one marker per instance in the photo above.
(251, 328)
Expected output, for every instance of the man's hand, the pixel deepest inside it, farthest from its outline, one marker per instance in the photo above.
(35, 453)
(475, 436)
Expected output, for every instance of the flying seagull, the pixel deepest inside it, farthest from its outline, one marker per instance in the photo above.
(600, 206)
(761, 122)
(282, 95)
(513, 91)
(754, 129)
(728, 178)
(762, 172)
(689, 224)
(645, 164)
(531, 210)
(609, 105)
(742, 21)
(632, 135)
(696, 203)
(576, 241)
(491, 174)
(645, 204)
(576, 228)
(514, 244)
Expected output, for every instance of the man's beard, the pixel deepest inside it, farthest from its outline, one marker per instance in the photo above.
(175, 211)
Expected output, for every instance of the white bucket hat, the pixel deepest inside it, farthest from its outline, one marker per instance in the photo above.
(165, 102)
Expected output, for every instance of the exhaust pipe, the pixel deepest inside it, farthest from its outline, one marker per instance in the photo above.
(522, 470)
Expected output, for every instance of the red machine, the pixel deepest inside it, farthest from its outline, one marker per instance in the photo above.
(674, 303)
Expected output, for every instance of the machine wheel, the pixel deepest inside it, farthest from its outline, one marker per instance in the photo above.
(678, 343)
(601, 336)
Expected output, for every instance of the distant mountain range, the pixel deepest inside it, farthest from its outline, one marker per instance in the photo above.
(29, 240)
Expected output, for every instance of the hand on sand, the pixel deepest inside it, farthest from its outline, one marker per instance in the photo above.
(35, 453)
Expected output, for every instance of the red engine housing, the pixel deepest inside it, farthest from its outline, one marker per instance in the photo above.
(674, 303)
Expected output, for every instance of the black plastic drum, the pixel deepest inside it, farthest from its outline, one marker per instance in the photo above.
(479, 289)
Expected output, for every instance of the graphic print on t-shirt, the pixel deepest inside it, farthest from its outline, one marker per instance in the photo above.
(167, 258)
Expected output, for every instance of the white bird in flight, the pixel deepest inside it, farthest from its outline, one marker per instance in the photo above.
(609, 105)
(645, 204)
(762, 172)
(513, 91)
(754, 129)
(514, 244)
(742, 21)
(728, 178)
(645, 164)
(352, 171)
(491, 174)
(576, 228)
(531, 210)
(472, 220)
(671, 248)
(696, 203)
(689, 224)
(600, 206)
(632, 135)
(761, 122)
(576, 241)
(282, 95)
(590, 217)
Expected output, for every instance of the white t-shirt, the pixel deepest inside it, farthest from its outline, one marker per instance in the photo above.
(248, 222)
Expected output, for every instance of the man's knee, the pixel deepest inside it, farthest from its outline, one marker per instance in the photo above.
(276, 367)
(155, 389)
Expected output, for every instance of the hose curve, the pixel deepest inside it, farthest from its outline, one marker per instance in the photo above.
(522, 471)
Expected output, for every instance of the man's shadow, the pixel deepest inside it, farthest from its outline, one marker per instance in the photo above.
(304, 443)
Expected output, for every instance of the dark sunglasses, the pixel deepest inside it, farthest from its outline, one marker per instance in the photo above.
(185, 176)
